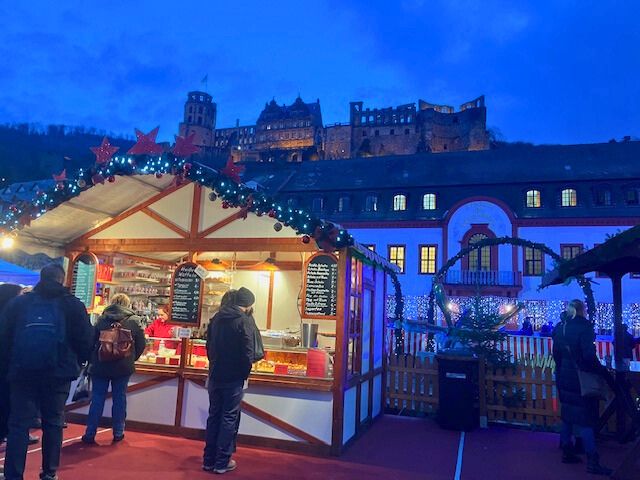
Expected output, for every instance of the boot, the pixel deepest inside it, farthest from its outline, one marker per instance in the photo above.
(594, 467)
(578, 447)
(568, 455)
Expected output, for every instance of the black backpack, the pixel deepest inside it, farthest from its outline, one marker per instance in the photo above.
(39, 337)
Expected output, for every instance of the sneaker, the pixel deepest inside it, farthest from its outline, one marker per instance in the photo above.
(33, 439)
(206, 468)
(594, 467)
(88, 440)
(118, 438)
(48, 476)
(569, 456)
(230, 466)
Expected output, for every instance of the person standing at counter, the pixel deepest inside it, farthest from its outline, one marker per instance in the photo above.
(230, 348)
(160, 328)
(116, 372)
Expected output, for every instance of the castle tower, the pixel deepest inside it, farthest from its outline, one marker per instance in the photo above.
(199, 118)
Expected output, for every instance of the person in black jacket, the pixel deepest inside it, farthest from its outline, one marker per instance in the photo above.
(573, 349)
(115, 372)
(230, 348)
(56, 324)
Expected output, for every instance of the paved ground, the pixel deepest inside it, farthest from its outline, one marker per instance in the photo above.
(394, 448)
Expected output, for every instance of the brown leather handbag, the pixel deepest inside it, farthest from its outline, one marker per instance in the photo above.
(115, 344)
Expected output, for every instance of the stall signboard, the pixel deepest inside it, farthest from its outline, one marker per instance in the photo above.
(83, 280)
(321, 286)
(186, 293)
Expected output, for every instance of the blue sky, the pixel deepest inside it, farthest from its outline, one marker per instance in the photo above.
(552, 71)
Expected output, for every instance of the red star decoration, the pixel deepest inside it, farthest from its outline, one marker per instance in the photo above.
(232, 170)
(184, 146)
(61, 177)
(146, 144)
(104, 152)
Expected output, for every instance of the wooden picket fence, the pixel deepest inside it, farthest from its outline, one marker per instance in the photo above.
(522, 395)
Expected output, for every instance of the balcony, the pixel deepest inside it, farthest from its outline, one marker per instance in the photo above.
(464, 283)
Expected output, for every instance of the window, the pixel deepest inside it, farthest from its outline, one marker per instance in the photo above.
(376, 133)
(406, 131)
(391, 132)
(429, 201)
(631, 197)
(371, 203)
(569, 198)
(344, 204)
(569, 251)
(533, 262)
(370, 246)
(533, 199)
(602, 197)
(399, 203)
(318, 204)
(428, 258)
(396, 256)
(480, 259)
(364, 133)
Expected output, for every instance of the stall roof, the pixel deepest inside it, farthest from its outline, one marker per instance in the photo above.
(10, 273)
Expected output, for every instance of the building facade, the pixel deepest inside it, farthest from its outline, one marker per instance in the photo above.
(295, 132)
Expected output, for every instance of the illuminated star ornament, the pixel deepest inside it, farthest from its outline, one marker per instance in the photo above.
(61, 177)
(146, 144)
(184, 146)
(233, 171)
(104, 152)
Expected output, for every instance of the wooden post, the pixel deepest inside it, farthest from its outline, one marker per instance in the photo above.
(618, 332)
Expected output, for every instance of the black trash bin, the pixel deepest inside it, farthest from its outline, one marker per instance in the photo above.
(459, 399)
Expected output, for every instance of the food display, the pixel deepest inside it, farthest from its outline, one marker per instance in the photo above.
(161, 351)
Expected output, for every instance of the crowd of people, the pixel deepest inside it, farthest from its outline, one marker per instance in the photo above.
(52, 322)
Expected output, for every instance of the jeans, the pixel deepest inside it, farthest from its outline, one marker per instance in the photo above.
(223, 423)
(99, 388)
(5, 400)
(586, 433)
(26, 396)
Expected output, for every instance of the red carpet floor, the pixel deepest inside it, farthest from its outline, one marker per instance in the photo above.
(395, 448)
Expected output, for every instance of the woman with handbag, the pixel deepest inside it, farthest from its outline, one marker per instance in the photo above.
(581, 381)
(112, 367)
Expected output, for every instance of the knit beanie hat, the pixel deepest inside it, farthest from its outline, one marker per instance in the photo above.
(244, 297)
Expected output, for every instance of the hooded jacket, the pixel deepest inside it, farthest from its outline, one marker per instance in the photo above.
(230, 346)
(79, 333)
(125, 366)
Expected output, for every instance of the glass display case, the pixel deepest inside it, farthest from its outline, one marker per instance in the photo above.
(162, 351)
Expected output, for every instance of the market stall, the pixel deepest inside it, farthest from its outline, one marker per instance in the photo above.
(176, 236)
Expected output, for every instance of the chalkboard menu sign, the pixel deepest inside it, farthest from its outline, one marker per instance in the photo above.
(321, 286)
(186, 291)
(83, 281)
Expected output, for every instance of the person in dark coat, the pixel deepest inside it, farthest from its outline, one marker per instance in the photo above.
(32, 383)
(230, 348)
(573, 348)
(116, 372)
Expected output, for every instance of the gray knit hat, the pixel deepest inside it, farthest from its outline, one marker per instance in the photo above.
(244, 297)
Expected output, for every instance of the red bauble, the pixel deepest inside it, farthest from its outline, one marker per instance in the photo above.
(59, 186)
(97, 178)
(187, 166)
(13, 208)
(272, 213)
(158, 174)
(306, 239)
(225, 204)
(111, 179)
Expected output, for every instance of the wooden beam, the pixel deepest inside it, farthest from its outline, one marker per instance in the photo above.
(281, 424)
(270, 299)
(164, 221)
(153, 261)
(196, 205)
(192, 245)
(223, 223)
(128, 213)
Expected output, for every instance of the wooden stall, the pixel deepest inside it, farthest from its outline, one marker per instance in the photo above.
(180, 245)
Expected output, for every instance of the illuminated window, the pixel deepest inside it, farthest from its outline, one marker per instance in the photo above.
(344, 204)
(479, 259)
(533, 199)
(399, 203)
(569, 198)
(533, 266)
(569, 251)
(396, 256)
(429, 201)
(428, 258)
(371, 203)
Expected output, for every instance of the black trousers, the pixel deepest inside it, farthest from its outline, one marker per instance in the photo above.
(4, 409)
(223, 423)
(50, 396)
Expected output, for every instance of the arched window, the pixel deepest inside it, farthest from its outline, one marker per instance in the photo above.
(533, 199)
(371, 203)
(602, 197)
(480, 259)
(344, 203)
(399, 202)
(429, 201)
(569, 198)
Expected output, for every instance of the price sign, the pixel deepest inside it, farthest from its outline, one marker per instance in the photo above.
(83, 281)
(186, 292)
(321, 286)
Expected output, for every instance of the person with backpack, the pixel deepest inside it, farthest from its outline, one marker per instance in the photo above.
(577, 370)
(231, 348)
(44, 336)
(113, 364)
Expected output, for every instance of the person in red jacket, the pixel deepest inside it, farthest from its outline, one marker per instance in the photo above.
(160, 327)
